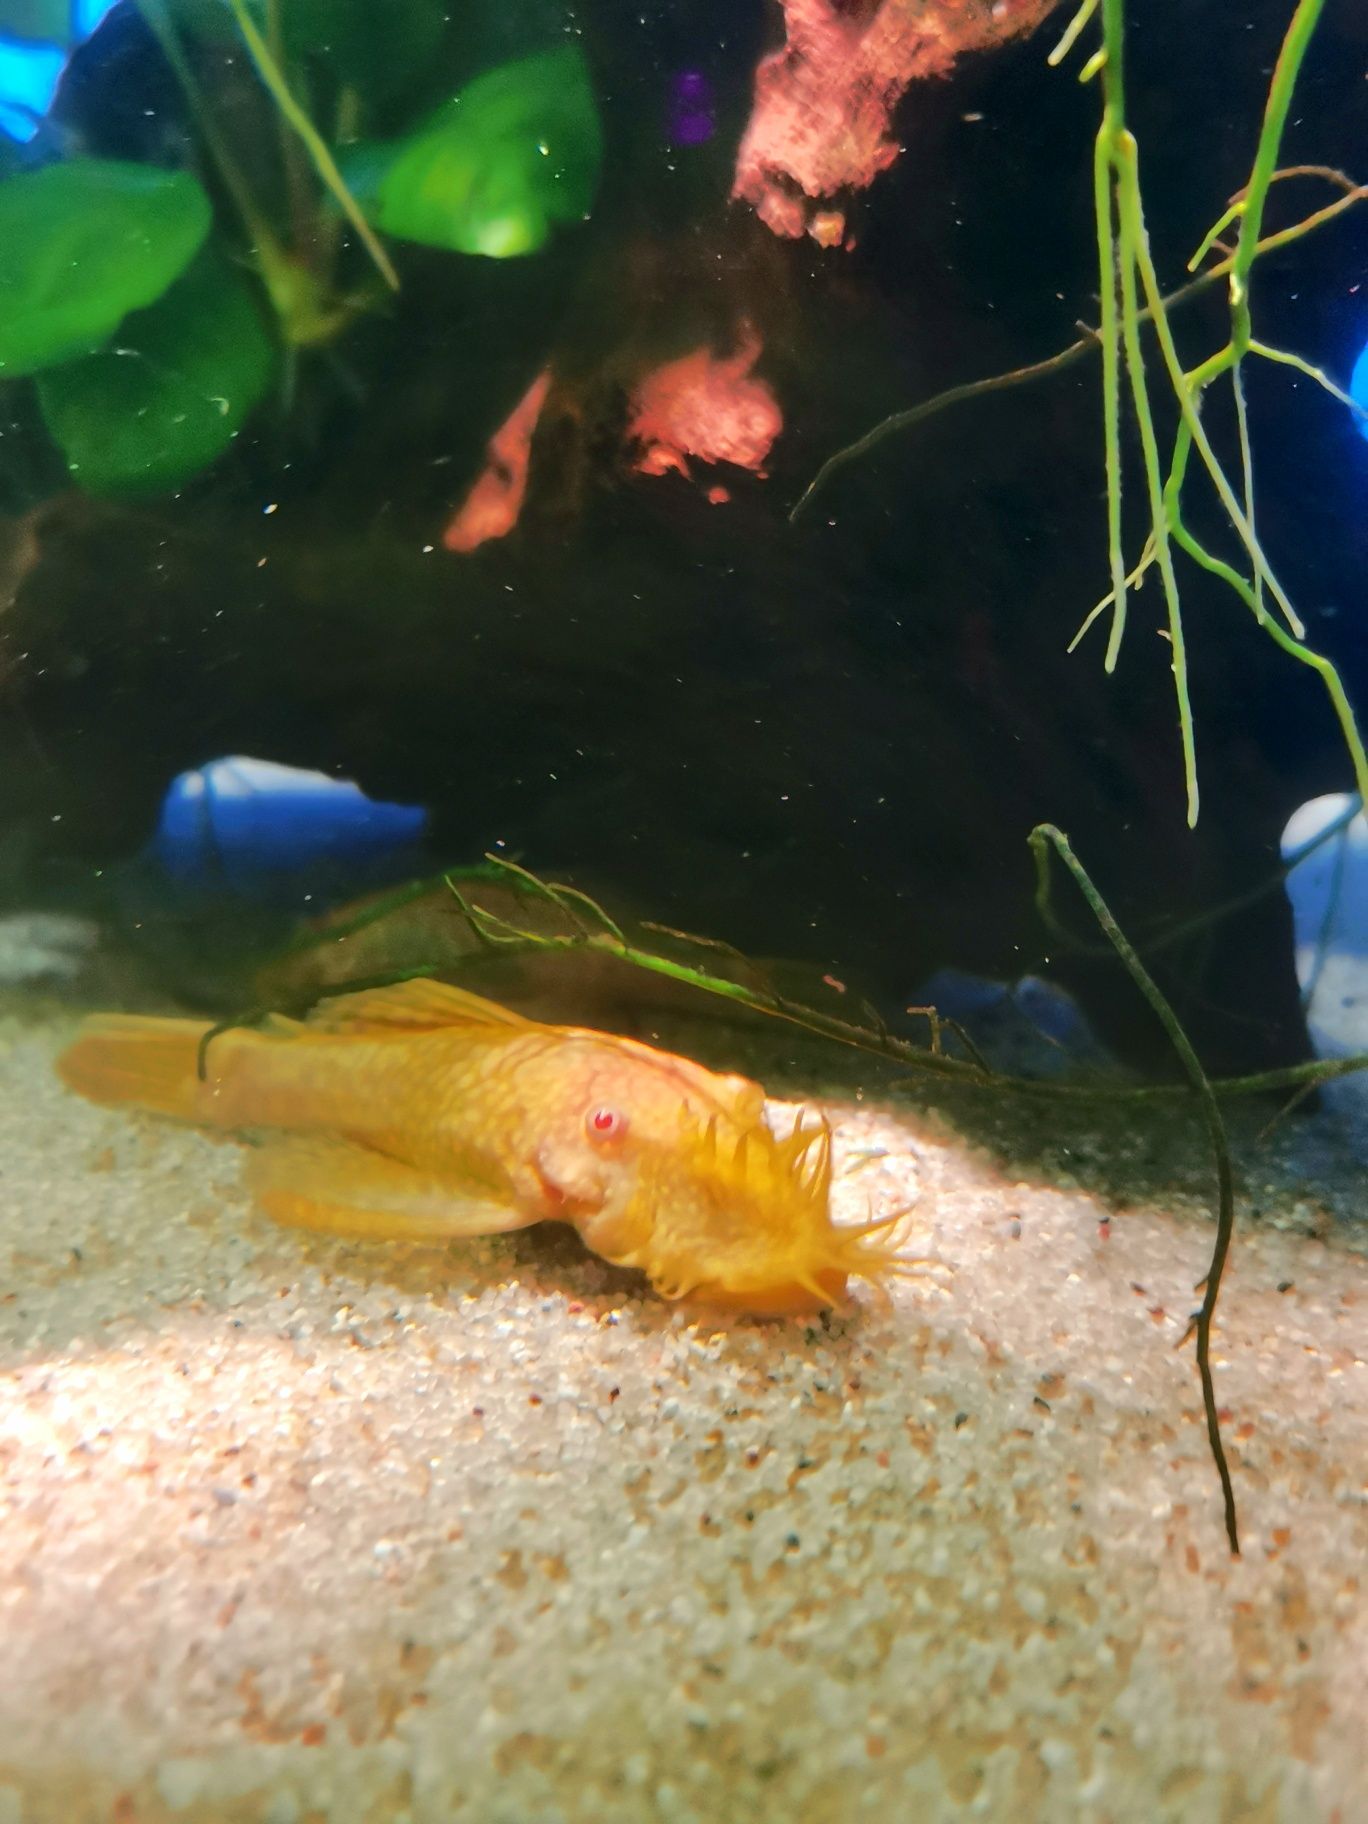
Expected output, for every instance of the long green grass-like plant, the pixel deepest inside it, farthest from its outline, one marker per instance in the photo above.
(1132, 302)
(1130, 296)
(306, 309)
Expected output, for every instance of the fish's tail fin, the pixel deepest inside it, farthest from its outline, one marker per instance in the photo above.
(126, 1059)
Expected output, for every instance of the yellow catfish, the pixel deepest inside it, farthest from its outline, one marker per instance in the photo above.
(422, 1112)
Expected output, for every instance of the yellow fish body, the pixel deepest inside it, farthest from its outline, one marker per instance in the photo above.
(423, 1112)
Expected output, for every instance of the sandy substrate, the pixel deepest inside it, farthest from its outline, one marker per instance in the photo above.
(294, 1530)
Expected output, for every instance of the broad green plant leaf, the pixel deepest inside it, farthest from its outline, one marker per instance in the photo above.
(518, 149)
(170, 396)
(83, 243)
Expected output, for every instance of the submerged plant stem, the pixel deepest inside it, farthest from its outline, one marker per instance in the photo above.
(1132, 240)
(1225, 1178)
(163, 29)
(1109, 336)
(324, 162)
(1351, 194)
(1130, 295)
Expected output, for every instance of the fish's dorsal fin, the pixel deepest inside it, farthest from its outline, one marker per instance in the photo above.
(418, 1006)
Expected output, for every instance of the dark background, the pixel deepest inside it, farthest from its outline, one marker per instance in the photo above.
(826, 741)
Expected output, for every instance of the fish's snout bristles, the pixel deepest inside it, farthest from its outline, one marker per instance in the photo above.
(758, 1162)
(876, 1250)
(879, 1225)
(878, 1274)
(918, 1266)
(807, 1153)
(819, 1157)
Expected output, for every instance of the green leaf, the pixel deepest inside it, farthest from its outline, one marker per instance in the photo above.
(147, 414)
(518, 149)
(83, 243)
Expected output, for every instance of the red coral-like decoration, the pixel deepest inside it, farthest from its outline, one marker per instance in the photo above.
(823, 104)
(706, 406)
(491, 508)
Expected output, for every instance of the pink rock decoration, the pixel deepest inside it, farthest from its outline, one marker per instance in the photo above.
(820, 126)
(491, 508)
(706, 406)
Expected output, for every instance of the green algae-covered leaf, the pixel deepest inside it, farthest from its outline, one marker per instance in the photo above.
(518, 149)
(171, 394)
(82, 244)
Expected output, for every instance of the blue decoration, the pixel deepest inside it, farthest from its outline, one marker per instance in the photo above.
(259, 830)
(1327, 882)
(1325, 852)
(87, 16)
(29, 75)
(1358, 389)
(1030, 1028)
(31, 69)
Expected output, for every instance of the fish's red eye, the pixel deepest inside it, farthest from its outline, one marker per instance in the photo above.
(605, 1123)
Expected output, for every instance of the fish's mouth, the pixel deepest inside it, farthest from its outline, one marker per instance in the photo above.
(824, 1288)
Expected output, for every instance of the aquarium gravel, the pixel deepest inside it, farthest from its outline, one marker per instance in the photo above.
(298, 1530)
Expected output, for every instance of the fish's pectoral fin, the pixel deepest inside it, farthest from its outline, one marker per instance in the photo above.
(417, 1006)
(335, 1185)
